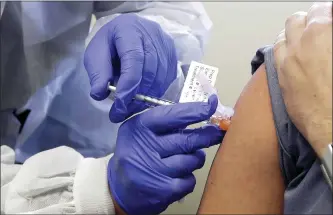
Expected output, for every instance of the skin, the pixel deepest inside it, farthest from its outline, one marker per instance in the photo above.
(245, 177)
(117, 208)
(303, 56)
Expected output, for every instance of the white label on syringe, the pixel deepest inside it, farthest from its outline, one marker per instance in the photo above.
(192, 90)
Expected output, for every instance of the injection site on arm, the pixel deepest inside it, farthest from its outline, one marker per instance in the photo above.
(245, 177)
(223, 114)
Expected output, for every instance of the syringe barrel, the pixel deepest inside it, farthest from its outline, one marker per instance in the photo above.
(148, 99)
(222, 122)
(152, 100)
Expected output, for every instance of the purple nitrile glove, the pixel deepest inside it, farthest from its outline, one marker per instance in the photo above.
(137, 54)
(155, 156)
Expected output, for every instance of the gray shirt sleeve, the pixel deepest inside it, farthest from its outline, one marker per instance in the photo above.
(306, 192)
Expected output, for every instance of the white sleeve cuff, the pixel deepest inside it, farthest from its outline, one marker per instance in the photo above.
(91, 189)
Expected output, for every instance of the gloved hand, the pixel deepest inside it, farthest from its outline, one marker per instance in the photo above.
(155, 156)
(135, 53)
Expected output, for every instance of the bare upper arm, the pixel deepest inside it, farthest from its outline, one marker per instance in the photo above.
(245, 176)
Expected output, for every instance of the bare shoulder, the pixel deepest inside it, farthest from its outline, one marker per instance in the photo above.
(245, 176)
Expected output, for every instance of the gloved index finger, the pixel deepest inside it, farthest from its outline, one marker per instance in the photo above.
(188, 141)
(164, 119)
(131, 54)
(98, 64)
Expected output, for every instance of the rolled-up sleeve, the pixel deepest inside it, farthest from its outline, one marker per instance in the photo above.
(57, 181)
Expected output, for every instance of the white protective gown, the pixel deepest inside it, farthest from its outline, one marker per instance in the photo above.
(56, 181)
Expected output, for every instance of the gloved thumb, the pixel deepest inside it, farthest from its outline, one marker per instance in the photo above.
(179, 116)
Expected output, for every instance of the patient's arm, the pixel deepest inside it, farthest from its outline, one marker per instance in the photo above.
(245, 177)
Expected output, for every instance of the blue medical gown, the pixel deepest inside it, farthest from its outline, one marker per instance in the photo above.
(42, 46)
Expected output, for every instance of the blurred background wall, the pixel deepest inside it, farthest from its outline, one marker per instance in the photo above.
(240, 28)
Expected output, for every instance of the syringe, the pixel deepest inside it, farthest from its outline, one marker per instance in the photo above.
(148, 99)
(223, 123)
